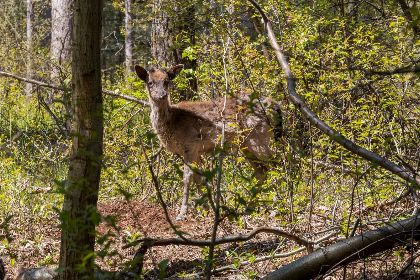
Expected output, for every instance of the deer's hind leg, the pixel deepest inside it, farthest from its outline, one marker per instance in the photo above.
(257, 151)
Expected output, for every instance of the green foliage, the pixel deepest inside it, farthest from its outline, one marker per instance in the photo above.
(332, 50)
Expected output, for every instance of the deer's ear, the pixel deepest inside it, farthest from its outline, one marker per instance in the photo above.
(141, 72)
(174, 71)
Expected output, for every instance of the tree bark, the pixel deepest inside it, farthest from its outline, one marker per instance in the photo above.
(61, 28)
(79, 216)
(170, 37)
(185, 27)
(128, 36)
(61, 18)
(162, 43)
(351, 249)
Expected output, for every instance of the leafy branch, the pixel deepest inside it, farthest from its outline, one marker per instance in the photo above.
(320, 124)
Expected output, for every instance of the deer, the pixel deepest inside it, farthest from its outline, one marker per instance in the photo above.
(191, 129)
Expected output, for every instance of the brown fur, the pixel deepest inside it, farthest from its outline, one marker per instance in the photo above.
(191, 129)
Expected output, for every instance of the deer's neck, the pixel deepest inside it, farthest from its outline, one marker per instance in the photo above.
(160, 115)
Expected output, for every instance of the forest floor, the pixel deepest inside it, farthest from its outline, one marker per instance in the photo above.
(139, 218)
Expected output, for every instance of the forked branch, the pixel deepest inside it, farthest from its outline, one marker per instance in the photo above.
(222, 240)
(147, 243)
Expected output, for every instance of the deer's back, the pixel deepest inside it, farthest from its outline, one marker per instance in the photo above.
(188, 134)
(195, 127)
(235, 113)
(217, 110)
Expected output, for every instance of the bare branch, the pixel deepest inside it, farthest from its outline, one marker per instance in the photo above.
(47, 85)
(62, 128)
(31, 81)
(223, 240)
(126, 97)
(264, 258)
(321, 125)
(137, 263)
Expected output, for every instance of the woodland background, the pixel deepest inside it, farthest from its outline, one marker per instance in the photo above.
(356, 65)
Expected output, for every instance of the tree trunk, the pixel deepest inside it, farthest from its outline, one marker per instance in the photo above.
(171, 37)
(61, 25)
(79, 216)
(29, 31)
(162, 43)
(128, 36)
(351, 249)
(60, 36)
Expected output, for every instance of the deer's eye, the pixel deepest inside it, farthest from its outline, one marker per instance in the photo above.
(150, 83)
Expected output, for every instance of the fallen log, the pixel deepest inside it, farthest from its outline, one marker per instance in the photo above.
(351, 249)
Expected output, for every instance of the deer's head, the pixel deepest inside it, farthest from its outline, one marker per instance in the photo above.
(158, 80)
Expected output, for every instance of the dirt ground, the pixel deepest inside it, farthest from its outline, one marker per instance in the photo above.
(150, 221)
(139, 219)
(40, 245)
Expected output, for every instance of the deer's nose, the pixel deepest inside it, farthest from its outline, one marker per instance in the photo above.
(162, 94)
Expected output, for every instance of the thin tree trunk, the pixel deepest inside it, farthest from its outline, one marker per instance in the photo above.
(128, 36)
(185, 32)
(79, 216)
(61, 17)
(29, 31)
(168, 40)
(162, 44)
(61, 25)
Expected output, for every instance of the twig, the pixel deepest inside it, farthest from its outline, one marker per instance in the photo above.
(407, 264)
(244, 263)
(63, 130)
(137, 263)
(161, 200)
(387, 203)
(126, 97)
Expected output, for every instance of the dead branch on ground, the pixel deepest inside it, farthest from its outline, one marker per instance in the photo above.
(355, 248)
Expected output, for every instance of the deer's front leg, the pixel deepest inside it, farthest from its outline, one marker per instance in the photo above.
(188, 176)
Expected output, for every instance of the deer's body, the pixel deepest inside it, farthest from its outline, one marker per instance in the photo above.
(191, 129)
